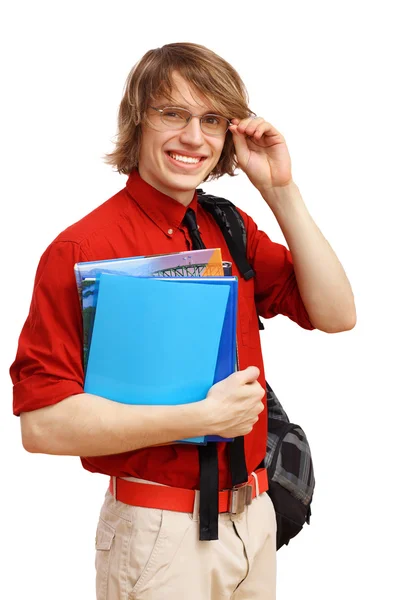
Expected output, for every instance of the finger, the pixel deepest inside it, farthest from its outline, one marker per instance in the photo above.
(250, 374)
(256, 389)
(258, 130)
(242, 123)
(247, 126)
(260, 136)
(241, 148)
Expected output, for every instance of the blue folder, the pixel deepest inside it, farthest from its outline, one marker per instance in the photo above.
(154, 343)
(226, 361)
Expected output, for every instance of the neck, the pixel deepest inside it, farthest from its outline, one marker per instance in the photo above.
(184, 197)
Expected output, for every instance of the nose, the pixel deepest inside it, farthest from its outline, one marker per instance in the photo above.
(192, 133)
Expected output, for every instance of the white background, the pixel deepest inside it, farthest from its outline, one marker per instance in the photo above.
(325, 75)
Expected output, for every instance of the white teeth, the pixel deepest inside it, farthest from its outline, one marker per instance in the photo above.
(186, 159)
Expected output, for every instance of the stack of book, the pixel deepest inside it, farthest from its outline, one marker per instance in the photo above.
(158, 330)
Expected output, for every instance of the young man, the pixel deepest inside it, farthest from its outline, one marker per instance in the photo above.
(183, 119)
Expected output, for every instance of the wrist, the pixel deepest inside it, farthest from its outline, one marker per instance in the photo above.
(278, 194)
(195, 419)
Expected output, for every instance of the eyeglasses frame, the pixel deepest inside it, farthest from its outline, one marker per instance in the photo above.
(200, 117)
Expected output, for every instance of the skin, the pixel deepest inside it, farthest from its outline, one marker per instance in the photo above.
(155, 167)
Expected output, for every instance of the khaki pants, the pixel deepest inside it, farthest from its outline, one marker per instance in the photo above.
(154, 554)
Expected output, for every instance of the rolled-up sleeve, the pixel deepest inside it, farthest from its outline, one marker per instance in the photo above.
(275, 287)
(48, 365)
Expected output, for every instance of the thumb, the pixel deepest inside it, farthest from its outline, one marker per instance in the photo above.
(241, 147)
(250, 374)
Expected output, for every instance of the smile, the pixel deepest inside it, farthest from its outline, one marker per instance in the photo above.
(190, 160)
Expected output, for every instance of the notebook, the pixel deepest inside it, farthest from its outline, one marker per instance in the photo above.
(226, 361)
(155, 343)
(191, 263)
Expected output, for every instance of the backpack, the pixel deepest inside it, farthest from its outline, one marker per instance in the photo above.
(288, 456)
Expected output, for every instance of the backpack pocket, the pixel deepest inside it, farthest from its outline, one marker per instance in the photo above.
(291, 477)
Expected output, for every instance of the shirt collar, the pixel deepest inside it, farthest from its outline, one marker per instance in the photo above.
(164, 211)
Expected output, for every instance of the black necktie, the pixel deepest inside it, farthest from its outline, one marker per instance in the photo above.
(191, 224)
(208, 455)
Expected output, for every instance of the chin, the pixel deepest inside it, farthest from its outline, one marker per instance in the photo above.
(187, 182)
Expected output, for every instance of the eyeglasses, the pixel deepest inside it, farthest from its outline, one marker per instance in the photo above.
(177, 118)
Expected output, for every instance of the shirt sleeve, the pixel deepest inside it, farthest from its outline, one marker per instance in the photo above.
(275, 287)
(48, 365)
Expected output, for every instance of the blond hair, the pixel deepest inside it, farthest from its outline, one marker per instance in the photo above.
(208, 73)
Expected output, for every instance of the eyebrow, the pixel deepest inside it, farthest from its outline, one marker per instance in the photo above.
(183, 105)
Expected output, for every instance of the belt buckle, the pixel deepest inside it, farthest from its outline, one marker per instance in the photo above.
(240, 497)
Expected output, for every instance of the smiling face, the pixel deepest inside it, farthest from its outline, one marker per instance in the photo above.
(162, 159)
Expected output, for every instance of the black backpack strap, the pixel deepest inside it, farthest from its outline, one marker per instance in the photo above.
(233, 229)
(231, 224)
(209, 476)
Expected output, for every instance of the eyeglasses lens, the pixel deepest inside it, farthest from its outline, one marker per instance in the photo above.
(177, 118)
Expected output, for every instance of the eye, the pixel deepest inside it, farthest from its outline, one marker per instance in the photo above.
(211, 120)
(175, 114)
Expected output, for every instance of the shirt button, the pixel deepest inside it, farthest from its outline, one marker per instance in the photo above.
(170, 231)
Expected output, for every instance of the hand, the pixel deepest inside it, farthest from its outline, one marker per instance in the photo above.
(233, 404)
(261, 153)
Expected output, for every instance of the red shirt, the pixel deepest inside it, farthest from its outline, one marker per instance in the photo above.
(140, 220)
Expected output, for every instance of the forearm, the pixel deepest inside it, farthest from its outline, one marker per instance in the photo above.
(88, 425)
(322, 281)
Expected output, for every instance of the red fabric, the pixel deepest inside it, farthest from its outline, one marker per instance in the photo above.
(178, 499)
(140, 220)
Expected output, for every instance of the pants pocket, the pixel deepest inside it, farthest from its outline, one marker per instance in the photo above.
(159, 535)
(135, 550)
(104, 540)
(146, 544)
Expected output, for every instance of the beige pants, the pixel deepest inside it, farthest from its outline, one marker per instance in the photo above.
(154, 554)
